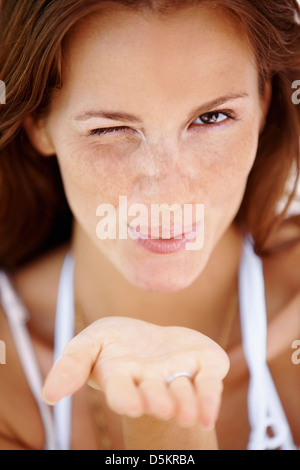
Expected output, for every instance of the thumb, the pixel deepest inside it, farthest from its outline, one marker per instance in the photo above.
(73, 369)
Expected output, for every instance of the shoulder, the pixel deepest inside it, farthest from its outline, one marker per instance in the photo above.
(20, 426)
(282, 289)
(282, 286)
(36, 284)
(39, 279)
(282, 270)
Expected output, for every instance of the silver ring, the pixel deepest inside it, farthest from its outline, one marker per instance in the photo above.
(179, 374)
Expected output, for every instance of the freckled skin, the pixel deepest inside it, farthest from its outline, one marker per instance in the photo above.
(158, 69)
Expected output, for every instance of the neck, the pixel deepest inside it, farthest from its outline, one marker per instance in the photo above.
(101, 290)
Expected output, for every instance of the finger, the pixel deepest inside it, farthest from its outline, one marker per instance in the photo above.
(157, 399)
(182, 390)
(214, 362)
(209, 393)
(124, 397)
(72, 370)
(213, 366)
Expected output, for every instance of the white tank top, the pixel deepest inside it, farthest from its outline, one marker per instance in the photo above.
(264, 406)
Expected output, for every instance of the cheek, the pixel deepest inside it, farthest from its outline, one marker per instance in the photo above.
(228, 162)
(93, 176)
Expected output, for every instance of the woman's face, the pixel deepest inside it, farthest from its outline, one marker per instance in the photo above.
(190, 80)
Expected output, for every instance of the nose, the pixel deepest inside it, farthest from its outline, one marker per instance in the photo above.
(168, 175)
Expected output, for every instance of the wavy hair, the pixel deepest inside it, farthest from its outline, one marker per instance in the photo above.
(34, 214)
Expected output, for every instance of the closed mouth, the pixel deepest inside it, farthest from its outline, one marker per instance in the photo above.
(158, 233)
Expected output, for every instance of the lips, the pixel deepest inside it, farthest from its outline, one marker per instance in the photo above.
(159, 233)
(166, 245)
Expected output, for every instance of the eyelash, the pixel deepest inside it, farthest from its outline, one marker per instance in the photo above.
(112, 130)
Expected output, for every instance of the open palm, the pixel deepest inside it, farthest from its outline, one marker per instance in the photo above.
(131, 360)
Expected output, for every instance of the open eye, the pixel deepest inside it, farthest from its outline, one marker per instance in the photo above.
(215, 117)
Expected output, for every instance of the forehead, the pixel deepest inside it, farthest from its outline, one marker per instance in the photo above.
(128, 50)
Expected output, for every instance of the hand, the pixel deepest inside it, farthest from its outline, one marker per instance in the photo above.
(130, 360)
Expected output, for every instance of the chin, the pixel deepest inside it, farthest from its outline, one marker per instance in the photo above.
(161, 286)
(163, 281)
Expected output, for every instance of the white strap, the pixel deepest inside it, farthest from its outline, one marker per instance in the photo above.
(264, 406)
(17, 317)
(64, 332)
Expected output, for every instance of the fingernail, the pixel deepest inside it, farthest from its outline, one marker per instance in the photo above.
(209, 417)
(50, 403)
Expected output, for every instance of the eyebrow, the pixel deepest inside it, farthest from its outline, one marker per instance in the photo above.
(122, 116)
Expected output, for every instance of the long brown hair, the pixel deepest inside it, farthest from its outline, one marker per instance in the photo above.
(34, 214)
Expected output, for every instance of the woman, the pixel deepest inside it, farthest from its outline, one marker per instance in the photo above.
(174, 103)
